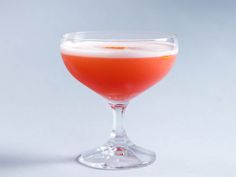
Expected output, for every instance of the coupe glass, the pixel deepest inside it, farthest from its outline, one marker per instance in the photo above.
(118, 66)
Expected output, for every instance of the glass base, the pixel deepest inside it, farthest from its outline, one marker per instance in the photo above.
(113, 156)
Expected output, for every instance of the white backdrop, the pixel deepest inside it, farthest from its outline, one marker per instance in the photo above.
(47, 117)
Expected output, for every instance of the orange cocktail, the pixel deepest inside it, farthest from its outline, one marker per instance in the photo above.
(120, 77)
(118, 66)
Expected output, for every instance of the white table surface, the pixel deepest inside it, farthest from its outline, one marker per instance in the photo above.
(47, 118)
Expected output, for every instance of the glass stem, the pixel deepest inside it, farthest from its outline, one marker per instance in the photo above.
(118, 132)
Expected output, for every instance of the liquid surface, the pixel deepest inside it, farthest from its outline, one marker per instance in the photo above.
(117, 70)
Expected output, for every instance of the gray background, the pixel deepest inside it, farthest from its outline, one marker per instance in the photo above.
(47, 117)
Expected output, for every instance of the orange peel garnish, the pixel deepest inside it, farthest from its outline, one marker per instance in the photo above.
(166, 57)
(116, 47)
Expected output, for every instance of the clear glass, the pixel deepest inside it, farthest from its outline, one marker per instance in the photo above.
(118, 66)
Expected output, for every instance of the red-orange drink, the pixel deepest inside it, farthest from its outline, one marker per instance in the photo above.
(118, 71)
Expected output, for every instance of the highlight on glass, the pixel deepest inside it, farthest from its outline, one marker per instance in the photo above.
(118, 66)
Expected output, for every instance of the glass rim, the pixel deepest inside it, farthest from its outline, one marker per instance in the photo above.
(116, 36)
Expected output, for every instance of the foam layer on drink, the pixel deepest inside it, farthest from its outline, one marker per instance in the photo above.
(132, 49)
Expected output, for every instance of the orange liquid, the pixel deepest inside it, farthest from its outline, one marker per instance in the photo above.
(118, 79)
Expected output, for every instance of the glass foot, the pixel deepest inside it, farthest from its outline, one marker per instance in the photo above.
(112, 156)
